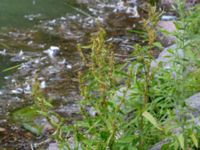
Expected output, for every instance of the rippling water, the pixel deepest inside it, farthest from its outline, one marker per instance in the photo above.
(25, 13)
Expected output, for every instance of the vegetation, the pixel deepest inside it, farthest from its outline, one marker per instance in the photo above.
(134, 105)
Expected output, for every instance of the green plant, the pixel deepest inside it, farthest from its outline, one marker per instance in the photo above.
(121, 123)
(184, 83)
(44, 109)
(134, 105)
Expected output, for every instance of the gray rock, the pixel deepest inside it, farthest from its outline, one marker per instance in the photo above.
(53, 146)
(68, 110)
(167, 56)
(167, 25)
(167, 3)
(159, 145)
(52, 51)
(194, 102)
(3, 52)
(166, 39)
(18, 57)
(128, 7)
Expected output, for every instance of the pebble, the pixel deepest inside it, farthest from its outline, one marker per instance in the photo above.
(27, 89)
(3, 52)
(69, 66)
(19, 57)
(2, 129)
(1, 93)
(17, 91)
(53, 146)
(52, 51)
(43, 85)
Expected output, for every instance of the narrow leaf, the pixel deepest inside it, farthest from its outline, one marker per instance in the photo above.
(31, 129)
(151, 119)
(11, 68)
(181, 140)
(194, 140)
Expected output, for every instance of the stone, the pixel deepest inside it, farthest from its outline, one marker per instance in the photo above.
(129, 7)
(52, 51)
(68, 110)
(166, 57)
(194, 102)
(2, 129)
(53, 146)
(167, 25)
(159, 145)
(170, 27)
(166, 4)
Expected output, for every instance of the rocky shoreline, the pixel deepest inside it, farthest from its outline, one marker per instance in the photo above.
(55, 66)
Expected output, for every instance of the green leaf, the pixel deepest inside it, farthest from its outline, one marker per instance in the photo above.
(34, 130)
(104, 135)
(42, 113)
(11, 68)
(181, 140)
(165, 146)
(66, 129)
(194, 140)
(125, 140)
(137, 31)
(172, 51)
(151, 119)
(177, 25)
(158, 45)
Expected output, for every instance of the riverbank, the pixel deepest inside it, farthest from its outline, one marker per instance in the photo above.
(48, 54)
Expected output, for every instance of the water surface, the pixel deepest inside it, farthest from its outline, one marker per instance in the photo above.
(26, 13)
(5, 63)
(17, 16)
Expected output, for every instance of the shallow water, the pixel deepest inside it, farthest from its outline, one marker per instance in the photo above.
(26, 13)
(5, 63)
(18, 18)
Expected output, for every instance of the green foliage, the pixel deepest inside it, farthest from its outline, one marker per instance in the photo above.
(121, 122)
(43, 107)
(142, 108)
